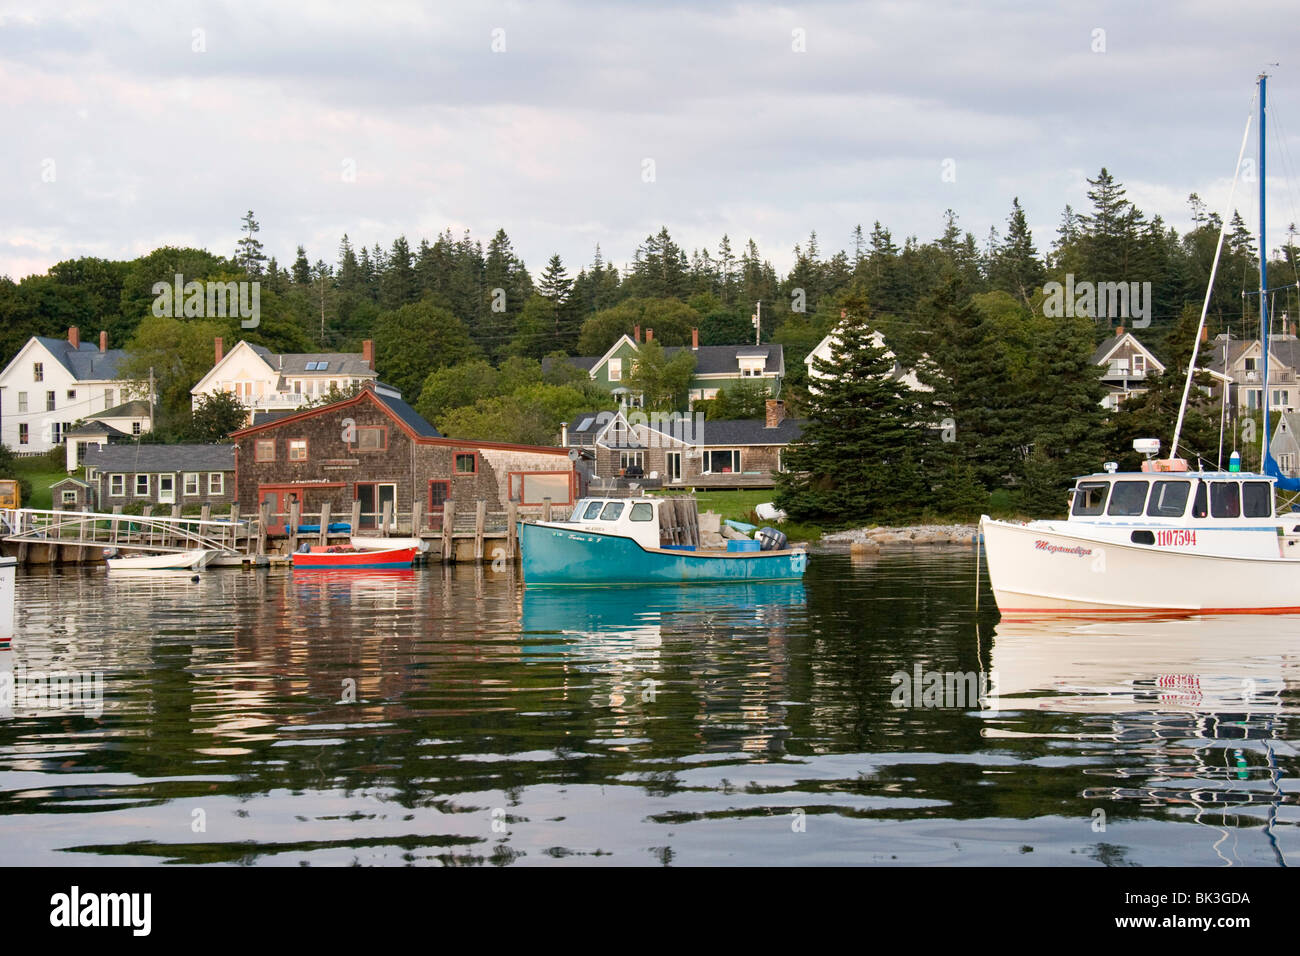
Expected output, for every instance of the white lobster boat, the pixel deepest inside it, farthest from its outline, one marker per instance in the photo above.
(1151, 542)
(1163, 540)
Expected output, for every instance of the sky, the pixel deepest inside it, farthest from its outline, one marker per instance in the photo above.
(135, 125)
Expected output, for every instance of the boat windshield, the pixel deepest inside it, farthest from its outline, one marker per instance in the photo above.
(1090, 498)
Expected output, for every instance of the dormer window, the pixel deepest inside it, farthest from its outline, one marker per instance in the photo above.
(1250, 365)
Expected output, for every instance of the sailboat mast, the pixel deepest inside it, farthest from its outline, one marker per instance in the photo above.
(1263, 264)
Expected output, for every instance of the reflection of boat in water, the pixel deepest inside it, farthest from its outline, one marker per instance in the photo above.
(593, 612)
(1198, 706)
(1200, 664)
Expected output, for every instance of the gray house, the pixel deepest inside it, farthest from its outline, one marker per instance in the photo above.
(167, 475)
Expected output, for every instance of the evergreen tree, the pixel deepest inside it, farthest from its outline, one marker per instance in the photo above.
(398, 286)
(301, 269)
(1015, 267)
(248, 251)
(856, 459)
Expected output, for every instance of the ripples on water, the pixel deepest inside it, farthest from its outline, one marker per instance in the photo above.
(448, 716)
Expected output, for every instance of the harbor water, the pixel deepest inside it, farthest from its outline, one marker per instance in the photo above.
(870, 715)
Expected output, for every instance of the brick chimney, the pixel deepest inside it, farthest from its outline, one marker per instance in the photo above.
(695, 340)
(1119, 330)
(1205, 334)
(74, 336)
(636, 333)
(219, 349)
(103, 341)
(775, 412)
(649, 335)
(368, 353)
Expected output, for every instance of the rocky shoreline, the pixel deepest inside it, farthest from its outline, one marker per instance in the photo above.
(869, 540)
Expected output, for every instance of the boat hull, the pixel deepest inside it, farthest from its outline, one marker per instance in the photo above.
(1036, 570)
(569, 556)
(193, 560)
(393, 558)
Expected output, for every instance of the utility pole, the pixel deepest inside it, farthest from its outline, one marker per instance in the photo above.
(151, 398)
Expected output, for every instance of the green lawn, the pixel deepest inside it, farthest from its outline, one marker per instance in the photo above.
(40, 473)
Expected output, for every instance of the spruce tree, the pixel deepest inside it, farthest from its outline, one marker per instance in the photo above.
(857, 456)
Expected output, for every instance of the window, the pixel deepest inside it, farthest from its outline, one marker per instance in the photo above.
(1253, 397)
(1169, 499)
(1200, 504)
(109, 395)
(216, 483)
(630, 459)
(467, 463)
(264, 449)
(38, 372)
(1281, 398)
(1090, 498)
(22, 401)
(69, 497)
(722, 461)
(135, 428)
(72, 394)
(534, 487)
(372, 438)
(22, 434)
(1250, 365)
(56, 432)
(142, 486)
(49, 401)
(1225, 499)
(612, 511)
(1256, 502)
(642, 511)
(593, 511)
(117, 486)
(1128, 498)
(1139, 364)
(297, 449)
(616, 370)
(190, 487)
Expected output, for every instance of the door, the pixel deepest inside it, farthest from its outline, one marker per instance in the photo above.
(373, 496)
(673, 465)
(439, 492)
(166, 489)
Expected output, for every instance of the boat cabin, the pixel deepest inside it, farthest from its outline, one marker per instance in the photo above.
(1171, 497)
(650, 522)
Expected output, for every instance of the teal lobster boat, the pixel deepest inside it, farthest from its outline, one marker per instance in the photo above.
(646, 541)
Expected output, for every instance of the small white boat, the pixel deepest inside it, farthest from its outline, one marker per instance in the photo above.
(8, 571)
(388, 544)
(193, 560)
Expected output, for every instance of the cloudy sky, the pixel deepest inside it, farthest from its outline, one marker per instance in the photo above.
(135, 125)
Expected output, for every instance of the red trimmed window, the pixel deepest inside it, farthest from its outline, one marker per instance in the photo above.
(466, 463)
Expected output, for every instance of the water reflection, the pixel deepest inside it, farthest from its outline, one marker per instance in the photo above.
(448, 715)
(1203, 704)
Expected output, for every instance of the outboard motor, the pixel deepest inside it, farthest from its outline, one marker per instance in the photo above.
(770, 539)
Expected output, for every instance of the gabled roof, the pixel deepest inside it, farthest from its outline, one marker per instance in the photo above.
(407, 418)
(144, 457)
(70, 480)
(96, 427)
(584, 427)
(1111, 343)
(136, 408)
(86, 363)
(748, 431)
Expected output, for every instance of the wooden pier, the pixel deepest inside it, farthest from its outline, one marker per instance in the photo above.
(468, 534)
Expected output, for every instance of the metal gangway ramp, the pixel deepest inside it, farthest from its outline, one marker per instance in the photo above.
(154, 534)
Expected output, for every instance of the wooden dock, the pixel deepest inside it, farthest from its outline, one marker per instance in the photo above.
(470, 534)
